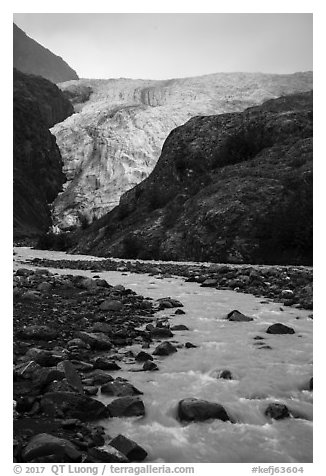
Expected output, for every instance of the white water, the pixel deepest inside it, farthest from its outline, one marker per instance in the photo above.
(260, 376)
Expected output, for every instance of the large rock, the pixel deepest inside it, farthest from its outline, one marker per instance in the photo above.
(180, 327)
(277, 411)
(161, 333)
(43, 357)
(99, 377)
(120, 389)
(279, 328)
(97, 340)
(43, 445)
(126, 407)
(106, 454)
(128, 447)
(165, 348)
(104, 363)
(150, 365)
(193, 409)
(143, 356)
(72, 405)
(72, 376)
(236, 316)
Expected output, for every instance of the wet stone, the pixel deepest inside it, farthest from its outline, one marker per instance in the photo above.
(44, 444)
(193, 409)
(179, 327)
(120, 389)
(128, 447)
(165, 348)
(126, 407)
(277, 411)
(143, 356)
(279, 328)
(189, 345)
(226, 374)
(106, 454)
(149, 365)
(236, 316)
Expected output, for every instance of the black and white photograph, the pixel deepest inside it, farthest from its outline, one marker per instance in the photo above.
(162, 241)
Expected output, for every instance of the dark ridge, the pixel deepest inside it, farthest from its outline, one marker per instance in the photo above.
(37, 168)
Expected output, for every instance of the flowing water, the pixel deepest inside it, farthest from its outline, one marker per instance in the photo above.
(260, 376)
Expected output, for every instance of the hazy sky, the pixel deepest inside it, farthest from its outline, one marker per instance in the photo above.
(146, 45)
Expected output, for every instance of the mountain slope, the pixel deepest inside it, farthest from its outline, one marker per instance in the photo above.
(114, 140)
(37, 168)
(32, 58)
(227, 188)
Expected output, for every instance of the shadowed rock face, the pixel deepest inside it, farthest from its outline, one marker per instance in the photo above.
(38, 105)
(32, 58)
(227, 188)
(115, 138)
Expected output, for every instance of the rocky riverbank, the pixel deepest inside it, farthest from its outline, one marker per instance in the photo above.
(69, 339)
(290, 285)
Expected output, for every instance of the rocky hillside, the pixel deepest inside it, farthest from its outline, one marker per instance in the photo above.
(227, 188)
(38, 177)
(32, 58)
(115, 138)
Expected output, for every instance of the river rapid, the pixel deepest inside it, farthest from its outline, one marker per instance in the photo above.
(261, 375)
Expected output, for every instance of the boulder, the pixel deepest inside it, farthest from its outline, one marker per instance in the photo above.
(179, 311)
(104, 363)
(193, 409)
(279, 328)
(97, 340)
(143, 356)
(236, 316)
(43, 445)
(128, 447)
(86, 283)
(78, 343)
(149, 365)
(165, 348)
(168, 303)
(106, 454)
(189, 345)
(126, 407)
(102, 283)
(72, 375)
(179, 327)
(43, 357)
(72, 405)
(99, 377)
(161, 333)
(209, 283)
(277, 411)
(120, 389)
(226, 374)
(24, 272)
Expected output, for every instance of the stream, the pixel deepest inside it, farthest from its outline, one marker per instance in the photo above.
(260, 375)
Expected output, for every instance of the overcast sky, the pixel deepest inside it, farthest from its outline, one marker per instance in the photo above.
(146, 45)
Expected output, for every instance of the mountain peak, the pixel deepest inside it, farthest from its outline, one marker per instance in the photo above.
(32, 58)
